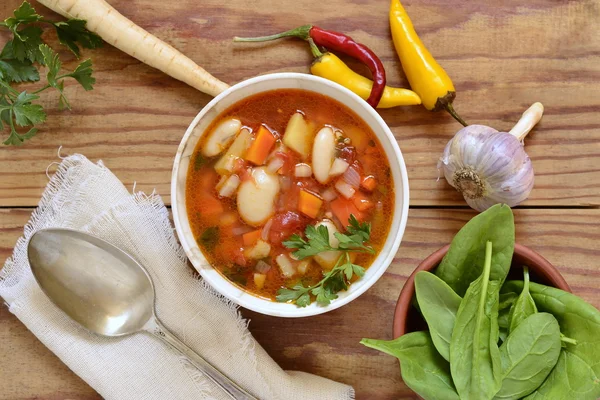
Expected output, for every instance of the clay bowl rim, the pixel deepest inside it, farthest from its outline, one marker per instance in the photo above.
(537, 264)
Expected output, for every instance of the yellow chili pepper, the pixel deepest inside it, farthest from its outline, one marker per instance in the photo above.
(425, 75)
(329, 66)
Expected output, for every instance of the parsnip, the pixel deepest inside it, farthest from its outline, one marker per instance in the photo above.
(120, 32)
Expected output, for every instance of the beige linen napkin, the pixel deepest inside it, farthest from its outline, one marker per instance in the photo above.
(88, 197)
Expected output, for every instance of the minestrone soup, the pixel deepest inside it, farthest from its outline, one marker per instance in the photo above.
(274, 164)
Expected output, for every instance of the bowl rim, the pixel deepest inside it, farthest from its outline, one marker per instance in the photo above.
(432, 261)
(218, 282)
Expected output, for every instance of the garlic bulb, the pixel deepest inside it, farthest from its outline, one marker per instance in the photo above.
(489, 167)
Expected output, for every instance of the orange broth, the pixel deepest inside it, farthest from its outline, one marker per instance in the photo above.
(217, 224)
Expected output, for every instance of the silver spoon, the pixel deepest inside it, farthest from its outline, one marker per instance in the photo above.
(106, 291)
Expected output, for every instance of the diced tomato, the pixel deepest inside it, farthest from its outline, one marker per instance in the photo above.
(285, 224)
(342, 208)
(237, 256)
(348, 154)
(245, 174)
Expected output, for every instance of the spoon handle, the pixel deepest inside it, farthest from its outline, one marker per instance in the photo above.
(156, 327)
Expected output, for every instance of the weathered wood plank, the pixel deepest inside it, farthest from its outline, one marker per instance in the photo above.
(502, 57)
(327, 344)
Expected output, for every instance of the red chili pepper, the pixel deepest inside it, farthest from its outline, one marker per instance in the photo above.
(341, 43)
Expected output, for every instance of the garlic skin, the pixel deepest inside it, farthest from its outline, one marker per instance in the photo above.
(487, 167)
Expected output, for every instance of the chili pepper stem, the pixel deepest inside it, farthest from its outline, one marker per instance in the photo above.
(448, 107)
(314, 49)
(302, 32)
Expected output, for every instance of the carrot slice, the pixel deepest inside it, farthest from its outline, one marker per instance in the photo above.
(369, 183)
(362, 201)
(342, 209)
(261, 146)
(251, 238)
(309, 204)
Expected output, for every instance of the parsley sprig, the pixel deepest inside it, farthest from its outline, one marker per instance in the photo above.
(17, 65)
(336, 280)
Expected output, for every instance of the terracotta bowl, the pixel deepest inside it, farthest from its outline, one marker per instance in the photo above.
(407, 318)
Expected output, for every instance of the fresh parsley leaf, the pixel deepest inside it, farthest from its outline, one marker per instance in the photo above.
(358, 270)
(199, 161)
(13, 70)
(26, 44)
(362, 229)
(52, 61)
(27, 113)
(295, 242)
(303, 300)
(73, 31)
(210, 237)
(17, 139)
(83, 75)
(339, 277)
(24, 14)
(318, 242)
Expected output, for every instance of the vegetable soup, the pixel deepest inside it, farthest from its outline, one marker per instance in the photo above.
(290, 196)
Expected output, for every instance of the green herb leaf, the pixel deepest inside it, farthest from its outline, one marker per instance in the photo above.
(27, 113)
(17, 139)
(337, 279)
(199, 161)
(303, 300)
(73, 31)
(358, 270)
(295, 242)
(24, 14)
(52, 61)
(318, 242)
(26, 46)
(423, 369)
(13, 70)
(83, 75)
(210, 237)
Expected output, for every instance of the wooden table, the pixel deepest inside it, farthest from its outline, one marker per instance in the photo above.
(503, 56)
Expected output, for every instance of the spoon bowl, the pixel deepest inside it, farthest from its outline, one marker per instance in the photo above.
(99, 286)
(107, 292)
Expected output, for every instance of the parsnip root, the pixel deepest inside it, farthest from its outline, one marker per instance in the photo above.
(120, 32)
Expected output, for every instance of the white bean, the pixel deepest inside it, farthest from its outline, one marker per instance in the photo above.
(256, 197)
(327, 259)
(323, 154)
(221, 137)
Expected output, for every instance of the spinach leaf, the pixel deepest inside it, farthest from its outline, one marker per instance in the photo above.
(528, 355)
(523, 307)
(577, 373)
(423, 369)
(439, 305)
(464, 261)
(506, 300)
(475, 366)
